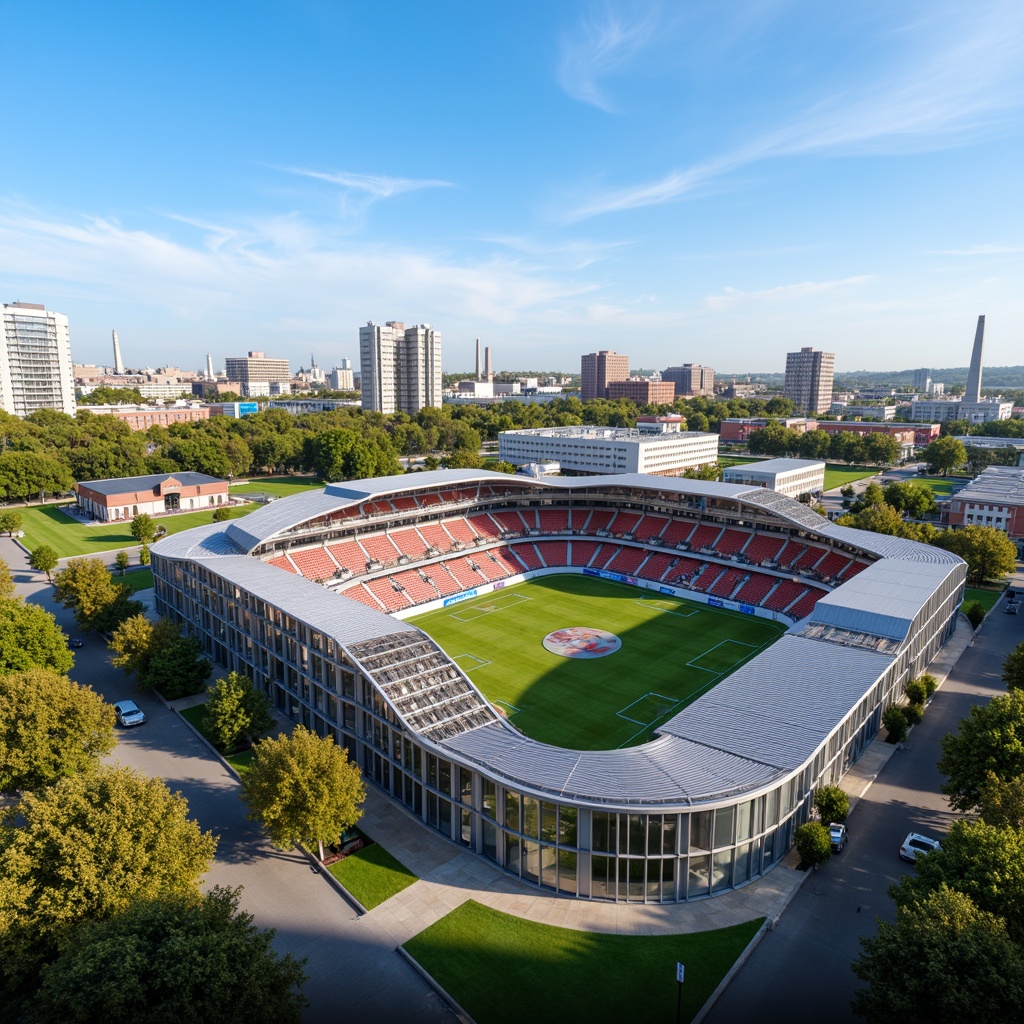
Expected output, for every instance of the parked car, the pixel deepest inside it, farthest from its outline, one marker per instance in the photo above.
(75, 642)
(915, 844)
(129, 713)
(838, 835)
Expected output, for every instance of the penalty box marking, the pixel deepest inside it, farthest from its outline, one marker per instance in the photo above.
(670, 701)
(668, 609)
(498, 605)
(711, 650)
(505, 703)
(474, 662)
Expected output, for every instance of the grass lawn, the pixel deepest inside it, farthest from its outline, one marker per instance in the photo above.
(46, 524)
(372, 875)
(138, 579)
(194, 716)
(673, 650)
(280, 486)
(941, 487)
(725, 461)
(503, 969)
(986, 595)
(839, 475)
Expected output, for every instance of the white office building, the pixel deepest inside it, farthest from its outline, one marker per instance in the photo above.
(400, 367)
(609, 449)
(35, 360)
(792, 477)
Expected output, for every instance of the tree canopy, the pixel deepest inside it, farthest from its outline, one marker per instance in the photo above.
(50, 728)
(303, 788)
(44, 559)
(236, 712)
(99, 602)
(30, 637)
(200, 958)
(159, 656)
(1013, 668)
(944, 454)
(988, 552)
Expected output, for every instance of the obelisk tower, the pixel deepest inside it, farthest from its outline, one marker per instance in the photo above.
(973, 392)
(118, 364)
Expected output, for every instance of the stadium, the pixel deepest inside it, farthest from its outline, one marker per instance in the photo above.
(620, 688)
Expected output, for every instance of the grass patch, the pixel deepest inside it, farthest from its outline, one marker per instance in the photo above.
(838, 475)
(137, 579)
(494, 965)
(941, 487)
(279, 486)
(987, 596)
(372, 875)
(46, 524)
(194, 716)
(576, 702)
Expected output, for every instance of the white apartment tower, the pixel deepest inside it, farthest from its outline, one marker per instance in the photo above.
(400, 367)
(35, 360)
(809, 380)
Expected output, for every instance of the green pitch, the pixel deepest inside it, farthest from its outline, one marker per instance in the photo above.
(673, 650)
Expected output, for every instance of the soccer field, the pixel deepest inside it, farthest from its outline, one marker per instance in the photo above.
(673, 650)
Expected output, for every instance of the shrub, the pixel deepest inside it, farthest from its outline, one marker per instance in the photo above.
(931, 684)
(916, 691)
(832, 803)
(975, 612)
(913, 713)
(813, 843)
(895, 722)
(221, 514)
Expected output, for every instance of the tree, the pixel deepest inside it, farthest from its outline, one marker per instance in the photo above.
(159, 656)
(31, 638)
(975, 612)
(832, 803)
(6, 581)
(943, 959)
(916, 691)
(910, 497)
(944, 454)
(50, 727)
(348, 455)
(813, 843)
(99, 602)
(204, 961)
(988, 552)
(11, 522)
(44, 559)
(236, 712)
(1013, 668)
(144, 555)
(989, 740)
(142, 528)
(1002, 801)
(895, 721)
(303, 788)
(221, 513)
(86, 848)
(121, 561)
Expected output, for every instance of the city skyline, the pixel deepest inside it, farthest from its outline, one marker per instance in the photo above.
(705, 184)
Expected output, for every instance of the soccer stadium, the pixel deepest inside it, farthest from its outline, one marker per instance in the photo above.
(620, 688)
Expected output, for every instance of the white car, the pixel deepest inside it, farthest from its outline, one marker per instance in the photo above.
(915, 844)
(129, 713)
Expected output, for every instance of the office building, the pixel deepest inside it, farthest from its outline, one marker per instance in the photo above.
(598, 370)
(35, 360)
(922, 381)
(792, 477)
(257, 369)
(809, 380)
(642, 391)
(400, 367)
(691, 379)
(994, 498)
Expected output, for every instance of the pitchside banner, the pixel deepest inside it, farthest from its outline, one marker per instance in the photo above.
(464, 596)
(616, 577)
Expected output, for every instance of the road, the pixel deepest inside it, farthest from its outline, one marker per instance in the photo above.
(800, 972)
(354, 971)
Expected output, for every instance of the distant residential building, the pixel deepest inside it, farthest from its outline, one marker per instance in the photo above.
(234, 410)
(341, 377)
(256, 368)
(142, 417)
(792, 477)
(298, 406)
(35, 360)
(944, 410)
(866, 412)
(400, 367)
(643, 392)
(808, 382)
(995, 498)
(202, 388)
(691, 379)
(128, 497)
(922, 382)
(595, 450)
(598, 370)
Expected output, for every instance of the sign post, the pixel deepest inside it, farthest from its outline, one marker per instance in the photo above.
(679, 998)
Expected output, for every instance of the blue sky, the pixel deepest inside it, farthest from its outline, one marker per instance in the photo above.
(716, 182)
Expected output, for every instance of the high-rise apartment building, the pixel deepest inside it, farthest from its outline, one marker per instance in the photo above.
(809, 379)
(35, 360)
(643, 392)
(922, 381)
(341, 378)
(691, 379)
(399, 367)
(255, 370)
(598, 370)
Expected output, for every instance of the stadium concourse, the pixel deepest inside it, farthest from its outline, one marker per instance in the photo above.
(306, 596)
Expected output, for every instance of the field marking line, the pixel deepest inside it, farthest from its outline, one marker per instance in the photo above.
(480, 662)
(672, 703)
(661, 606)
(499, 604)
(505, 703)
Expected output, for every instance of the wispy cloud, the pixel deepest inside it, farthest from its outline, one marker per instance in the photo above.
(606, 40)
(377, 185)
(979, 250)
(573, 254)
(730, 297)
(963, 82)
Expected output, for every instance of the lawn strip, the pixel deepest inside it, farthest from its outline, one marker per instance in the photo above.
(372, 875)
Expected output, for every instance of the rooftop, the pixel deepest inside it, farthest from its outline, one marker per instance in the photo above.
(123, 485)
(998, 484)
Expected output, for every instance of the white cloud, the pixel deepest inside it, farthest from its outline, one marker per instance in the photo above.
(606, 40)
(730, 297)
(376, 185)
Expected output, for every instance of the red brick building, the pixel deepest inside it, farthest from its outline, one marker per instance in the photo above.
(643, 392)
(129, 496)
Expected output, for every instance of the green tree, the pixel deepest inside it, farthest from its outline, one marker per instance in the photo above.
(349, 455)
(144, 555)
(832, 803)
(142, 528)
(988, 552)
(1013, 668)
(910, 497)
(236, 712)
(159, 656)
(943, 959)
(44, 559)
(31, 638)
(121, 562)
(204, 960)
(303, 788)
(1002, 801)
(114, 396)
(975, 612)
(87, 848)
(25, 475)
(131, 642)
(944, 454)
(221, 513)
(894, 719)
(989, 740)
(6, 581)
(916, 691)
(11, 522)
(98, 601)
(50, 727)
(813, 843)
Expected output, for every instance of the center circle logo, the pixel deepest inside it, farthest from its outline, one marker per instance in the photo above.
(581, 642)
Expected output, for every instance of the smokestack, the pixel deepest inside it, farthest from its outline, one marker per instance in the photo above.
(478, 377)
(209, 366)
(973, 392)
(488, 374)
(118, 365)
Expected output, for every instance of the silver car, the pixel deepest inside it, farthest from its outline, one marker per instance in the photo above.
(129, 713)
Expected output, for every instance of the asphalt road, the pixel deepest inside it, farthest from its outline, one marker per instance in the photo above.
(801, 970)
(354, 971)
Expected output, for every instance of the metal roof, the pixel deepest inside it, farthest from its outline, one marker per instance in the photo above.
(776, 465)
(997, 485)
(127, 484)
